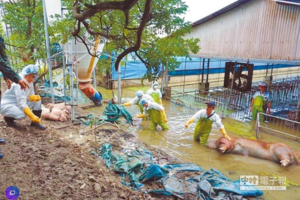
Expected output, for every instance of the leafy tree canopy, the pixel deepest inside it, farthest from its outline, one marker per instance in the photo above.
(130, 26)
(24, 19)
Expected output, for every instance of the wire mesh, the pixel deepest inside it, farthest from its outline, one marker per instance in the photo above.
(236, 104)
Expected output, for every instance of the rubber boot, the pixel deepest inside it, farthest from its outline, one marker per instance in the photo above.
(10, 121)
(38, 113)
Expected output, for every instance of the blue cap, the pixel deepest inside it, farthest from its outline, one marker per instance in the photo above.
(139, 93)
(211, 103)
(30, 69)
(263, 84)
(143, 102)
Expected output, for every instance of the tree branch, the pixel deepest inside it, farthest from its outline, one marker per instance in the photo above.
(146, 17)
(93, 9)
(143, 61)
(98, 33)
(76, 31)
(87, 47)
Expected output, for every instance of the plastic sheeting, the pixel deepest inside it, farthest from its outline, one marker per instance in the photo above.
(137, 166)
(135, 69)
(113, 113)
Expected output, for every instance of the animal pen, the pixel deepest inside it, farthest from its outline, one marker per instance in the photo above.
(283, 84)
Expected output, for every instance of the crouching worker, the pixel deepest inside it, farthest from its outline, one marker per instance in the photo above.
(156, 114)
(204, 119)
(17, 103)
(138, 96)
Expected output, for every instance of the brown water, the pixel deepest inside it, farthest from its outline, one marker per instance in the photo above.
(177, 141)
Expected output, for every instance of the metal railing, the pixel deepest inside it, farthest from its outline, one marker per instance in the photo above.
(276, 125)
(284, 92)
(195, 99)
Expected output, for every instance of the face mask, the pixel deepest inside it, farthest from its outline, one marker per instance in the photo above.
(155, 87)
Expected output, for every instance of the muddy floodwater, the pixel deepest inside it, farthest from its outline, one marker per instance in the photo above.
(177, 141)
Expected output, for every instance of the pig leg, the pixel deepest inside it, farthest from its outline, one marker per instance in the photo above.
(66, 113)
(222, 148)
(53, 117)
(283, 155)
(63, 118)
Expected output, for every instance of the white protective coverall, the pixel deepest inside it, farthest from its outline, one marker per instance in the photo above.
(15, 100)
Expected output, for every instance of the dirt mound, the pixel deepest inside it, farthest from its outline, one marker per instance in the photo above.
(51, 165)
(43, 166)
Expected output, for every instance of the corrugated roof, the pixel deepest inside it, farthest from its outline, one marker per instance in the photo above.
(258, 30)
(236, 4)
(219, 12)
(289, 2)
(296, 1)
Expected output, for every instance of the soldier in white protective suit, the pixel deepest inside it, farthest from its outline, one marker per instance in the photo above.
(17, 103)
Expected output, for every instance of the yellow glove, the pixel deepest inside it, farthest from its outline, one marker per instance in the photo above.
(160, 101)
(140, 116)
(31, 116)
(225, 134)
(164, 115)
(34, 98)
(127, 104)
(189, 122)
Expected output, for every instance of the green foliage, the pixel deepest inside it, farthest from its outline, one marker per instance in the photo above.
(61, 29)
(162, 37)
(164, 51)
(27, 38)
(28, 42)
(1, 29)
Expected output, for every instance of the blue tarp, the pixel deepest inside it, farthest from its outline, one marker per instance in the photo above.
(136, 69)
(113, 112)
(136, 168)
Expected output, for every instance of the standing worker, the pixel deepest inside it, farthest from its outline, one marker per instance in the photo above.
(261, 101)
(155, 93)
(204, 119)
(9, 75)
(17, 103)
(68, 78)
(155, 113)
(138, 96)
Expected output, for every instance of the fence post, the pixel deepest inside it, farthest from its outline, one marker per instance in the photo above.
(168, 93)
(257, 125)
